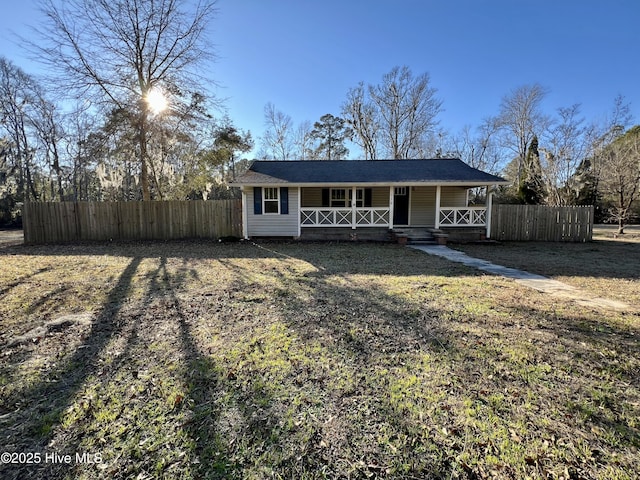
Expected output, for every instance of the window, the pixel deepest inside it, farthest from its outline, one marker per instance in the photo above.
(342, 197)
(339, 197)
(400, 191)
(271, 201)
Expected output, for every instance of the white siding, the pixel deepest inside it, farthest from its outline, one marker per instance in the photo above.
(423, 206)
(273, 225)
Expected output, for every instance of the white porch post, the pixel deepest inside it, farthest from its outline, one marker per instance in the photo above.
(438, 193)
(391, 198)
(354, 203)
(489, 205)
(245, 214)
(299, 211)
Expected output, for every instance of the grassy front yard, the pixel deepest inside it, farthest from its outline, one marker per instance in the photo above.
(607, 267)
(203, 360)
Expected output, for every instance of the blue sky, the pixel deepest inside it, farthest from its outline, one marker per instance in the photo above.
(303, 55)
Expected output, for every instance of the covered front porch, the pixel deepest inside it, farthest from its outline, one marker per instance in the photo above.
(437, 206)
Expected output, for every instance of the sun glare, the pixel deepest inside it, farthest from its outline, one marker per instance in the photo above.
(157, 101)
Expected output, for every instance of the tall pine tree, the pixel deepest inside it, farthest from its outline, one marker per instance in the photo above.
(331, 133)
(531, 188)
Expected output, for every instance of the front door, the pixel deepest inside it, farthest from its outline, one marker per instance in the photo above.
(401, 206)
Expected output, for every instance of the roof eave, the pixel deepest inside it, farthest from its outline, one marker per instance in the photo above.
(413, 183)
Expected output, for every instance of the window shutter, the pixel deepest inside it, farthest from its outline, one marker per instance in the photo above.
(257, 200)
(368, 194)
(284, 200)
(325, 197)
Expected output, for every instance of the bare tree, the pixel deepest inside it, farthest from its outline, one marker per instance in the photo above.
(79, 148)
(121, 51)
(599, 136)
(407, 107)
(565, 146)
(478, 149)
(521, 118)
(606, 132)
(47, 123)
(394, 116)
(278, 138)
(620, 175)
(303, 142)
(362, 116)
(17, 99)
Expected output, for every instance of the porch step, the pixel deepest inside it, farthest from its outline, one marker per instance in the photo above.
(417, 236)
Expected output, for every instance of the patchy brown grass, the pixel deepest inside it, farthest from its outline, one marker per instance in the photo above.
(202, 360)
(606, 267)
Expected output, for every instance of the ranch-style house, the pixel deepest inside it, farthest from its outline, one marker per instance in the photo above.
(364, 199)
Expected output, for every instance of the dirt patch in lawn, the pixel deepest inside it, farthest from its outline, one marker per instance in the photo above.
(50, 328)
(205, 360)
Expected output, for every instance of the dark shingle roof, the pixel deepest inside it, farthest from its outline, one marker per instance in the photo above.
(440, 170)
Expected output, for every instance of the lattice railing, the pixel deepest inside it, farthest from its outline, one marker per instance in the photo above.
(343, 217)
(463, 216)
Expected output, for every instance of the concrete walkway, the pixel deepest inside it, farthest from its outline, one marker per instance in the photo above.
(531, 280)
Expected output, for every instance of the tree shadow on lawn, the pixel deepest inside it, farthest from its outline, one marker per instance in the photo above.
(35, 411)
(9, 286)
(188, 249)
(607, 259)
(270, 421)
(300, 326)
(60, 417)
(112, 356)
(298, 362)
(362, 319)
(341, 257)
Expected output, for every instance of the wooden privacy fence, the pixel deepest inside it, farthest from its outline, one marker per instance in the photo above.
(541, 223)
(166, 220)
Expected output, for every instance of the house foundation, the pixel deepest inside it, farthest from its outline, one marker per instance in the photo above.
(346, 234)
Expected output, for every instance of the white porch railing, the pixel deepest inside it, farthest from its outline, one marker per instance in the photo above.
(379, 217)
(343, 217)
(463, 216)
